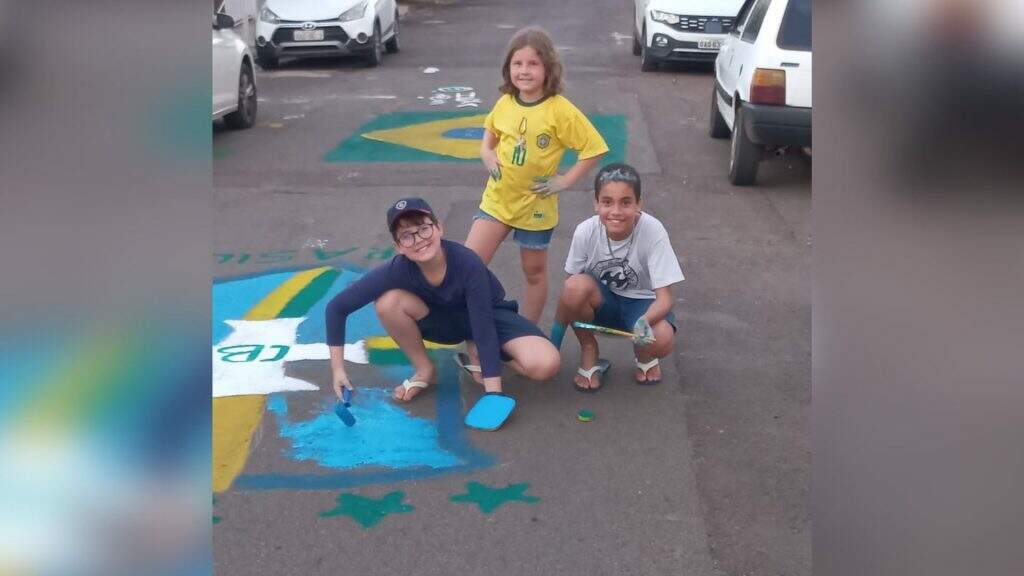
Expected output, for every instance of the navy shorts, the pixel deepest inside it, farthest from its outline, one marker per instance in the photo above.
(622, 312)
(528, 239)
(451, 325)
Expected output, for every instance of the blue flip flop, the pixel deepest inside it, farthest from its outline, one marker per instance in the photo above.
(490, 411)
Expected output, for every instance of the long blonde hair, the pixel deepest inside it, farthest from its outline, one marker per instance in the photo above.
(535, 37)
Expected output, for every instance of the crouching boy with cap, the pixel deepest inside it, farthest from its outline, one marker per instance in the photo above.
(441, 291)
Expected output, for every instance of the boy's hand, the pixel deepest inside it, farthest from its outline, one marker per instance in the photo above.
(545, 186)
(643, 334)
(491, 162)
(340, 380)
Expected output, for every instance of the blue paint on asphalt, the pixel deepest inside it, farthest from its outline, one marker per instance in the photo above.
(233, 298)
(385, 435)
(451, 438)
(475, 133)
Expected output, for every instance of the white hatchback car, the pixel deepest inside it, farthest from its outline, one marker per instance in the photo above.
(681, 30)
(762, 89)
(315, 28)
(234, 84)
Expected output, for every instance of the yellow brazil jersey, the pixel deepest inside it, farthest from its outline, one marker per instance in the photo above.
(546, 128)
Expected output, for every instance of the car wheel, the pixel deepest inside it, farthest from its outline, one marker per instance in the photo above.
(245, 115)
(647, 62)
(376, 55)
(717, 127)
(392, 45)
(637, 48)
(744, 155)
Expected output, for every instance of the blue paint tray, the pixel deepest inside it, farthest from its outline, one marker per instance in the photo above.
(490, 411)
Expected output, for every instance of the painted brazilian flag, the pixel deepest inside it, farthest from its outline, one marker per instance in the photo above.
(435, 136)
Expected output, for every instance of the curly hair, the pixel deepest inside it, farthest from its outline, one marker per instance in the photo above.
(536, 38)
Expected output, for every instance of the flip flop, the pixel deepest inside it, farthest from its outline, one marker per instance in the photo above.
(646, 367)
(601, 367)
(462, 361)
(490, 411)
(408, 384)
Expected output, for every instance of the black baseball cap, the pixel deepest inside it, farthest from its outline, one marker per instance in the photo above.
(407, 206)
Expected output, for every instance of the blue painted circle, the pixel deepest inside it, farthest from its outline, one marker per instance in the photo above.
(465, 133)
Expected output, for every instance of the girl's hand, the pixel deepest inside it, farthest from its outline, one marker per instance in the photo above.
(340, 380)
(545, 186)
(491, 162)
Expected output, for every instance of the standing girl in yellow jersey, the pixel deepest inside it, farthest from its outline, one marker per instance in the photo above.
(526, 133)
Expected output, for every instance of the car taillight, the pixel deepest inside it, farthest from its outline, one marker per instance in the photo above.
(768, 87)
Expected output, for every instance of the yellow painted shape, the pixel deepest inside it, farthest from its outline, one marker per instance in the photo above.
(386, 343)
(428, 137)
(273, 303)
(236, 418)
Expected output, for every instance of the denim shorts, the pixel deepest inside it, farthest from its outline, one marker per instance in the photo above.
(622, 312)
(528, 239)
(451, 325)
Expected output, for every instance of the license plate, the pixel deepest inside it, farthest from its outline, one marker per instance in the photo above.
(709, 44)
(308, 35)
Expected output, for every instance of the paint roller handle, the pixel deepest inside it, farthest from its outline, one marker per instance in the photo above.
(342, 387)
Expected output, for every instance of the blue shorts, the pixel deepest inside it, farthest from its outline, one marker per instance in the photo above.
(528, 239)
(622, 312)
(451, 325)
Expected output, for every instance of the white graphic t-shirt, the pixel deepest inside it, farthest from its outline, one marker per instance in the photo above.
(634, 267)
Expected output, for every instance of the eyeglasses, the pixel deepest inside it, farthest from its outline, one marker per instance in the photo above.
(407, 239)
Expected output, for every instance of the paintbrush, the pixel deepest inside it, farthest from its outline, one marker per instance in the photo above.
(602, 329)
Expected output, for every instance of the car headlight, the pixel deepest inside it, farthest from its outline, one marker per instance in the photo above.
(354, 13)
(665, 17)
(267, 15)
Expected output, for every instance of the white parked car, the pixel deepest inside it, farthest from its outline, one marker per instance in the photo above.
(681, 30)
(326, 28)
(762, 89)
(234, 84)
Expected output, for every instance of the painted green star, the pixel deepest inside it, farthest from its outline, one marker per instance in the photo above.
(490, 499)
(367, 511)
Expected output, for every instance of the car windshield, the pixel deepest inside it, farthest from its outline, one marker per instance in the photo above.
(795, 33)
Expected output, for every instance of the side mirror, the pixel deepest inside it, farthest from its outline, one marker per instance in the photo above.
(223, 22)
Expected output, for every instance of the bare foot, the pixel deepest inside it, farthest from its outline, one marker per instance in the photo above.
(403, 395)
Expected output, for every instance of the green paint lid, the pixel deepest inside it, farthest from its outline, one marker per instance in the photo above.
(585, 416)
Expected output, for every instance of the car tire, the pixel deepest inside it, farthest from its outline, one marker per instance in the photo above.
(637, 47)
(648, 63)
(744, 155)
(376, 53)
(392, 45)
(245, 115)
(717, 128)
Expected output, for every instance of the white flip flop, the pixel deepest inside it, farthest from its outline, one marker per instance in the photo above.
(646, 367)
(408, 384)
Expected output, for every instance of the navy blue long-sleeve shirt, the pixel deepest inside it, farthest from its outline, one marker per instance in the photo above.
(467, 284)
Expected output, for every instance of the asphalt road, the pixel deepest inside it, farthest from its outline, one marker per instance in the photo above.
(707, 473)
